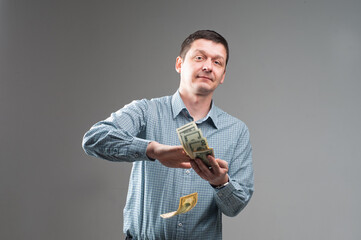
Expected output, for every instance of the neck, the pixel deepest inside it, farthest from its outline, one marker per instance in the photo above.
(197, 105)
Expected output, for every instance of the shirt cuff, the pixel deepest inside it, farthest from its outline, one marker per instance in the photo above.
(138, 149)
(225, 191)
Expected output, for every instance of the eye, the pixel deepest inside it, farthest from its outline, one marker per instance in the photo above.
(218, 63)
(198, 58)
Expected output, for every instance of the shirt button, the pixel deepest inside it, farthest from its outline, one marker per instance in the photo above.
(188, 172)
(136, 155)
(180, 224)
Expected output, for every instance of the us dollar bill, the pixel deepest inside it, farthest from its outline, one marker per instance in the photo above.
(193, 142)
(186, 203)
(182, 131)
(203, 156)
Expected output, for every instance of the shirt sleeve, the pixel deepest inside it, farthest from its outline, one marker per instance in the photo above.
(232, 198)
(120, 136)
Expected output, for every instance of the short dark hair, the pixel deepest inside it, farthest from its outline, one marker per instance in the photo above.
(203, 34)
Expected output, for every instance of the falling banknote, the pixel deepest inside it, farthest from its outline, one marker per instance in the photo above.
(193, 142)
(186, 203)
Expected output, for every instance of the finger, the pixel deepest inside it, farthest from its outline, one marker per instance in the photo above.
(214, 164)
(185, 165)
(195, 166)
(222, 164)
(204, 169)
(184, 159)
(178, 147)
(197, 169)
(178, 154)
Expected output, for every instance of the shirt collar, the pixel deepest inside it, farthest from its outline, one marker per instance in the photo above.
(178, 107)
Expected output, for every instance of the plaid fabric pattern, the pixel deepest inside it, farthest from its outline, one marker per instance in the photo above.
(155, 189)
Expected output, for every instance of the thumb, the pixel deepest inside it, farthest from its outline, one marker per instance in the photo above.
(222, 163)
(184, 165)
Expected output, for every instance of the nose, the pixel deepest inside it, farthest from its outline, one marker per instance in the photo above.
(207, 66)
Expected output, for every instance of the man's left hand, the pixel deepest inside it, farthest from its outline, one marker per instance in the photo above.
(217, 175)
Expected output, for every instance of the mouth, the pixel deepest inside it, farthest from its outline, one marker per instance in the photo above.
(205, 77)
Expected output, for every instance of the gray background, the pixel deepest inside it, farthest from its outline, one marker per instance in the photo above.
(293, 77)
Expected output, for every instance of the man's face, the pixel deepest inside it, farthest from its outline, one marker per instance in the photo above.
(203, 68)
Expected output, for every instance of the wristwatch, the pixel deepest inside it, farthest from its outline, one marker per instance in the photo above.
(220, 186)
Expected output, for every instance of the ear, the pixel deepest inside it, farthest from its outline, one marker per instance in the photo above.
(178, 64)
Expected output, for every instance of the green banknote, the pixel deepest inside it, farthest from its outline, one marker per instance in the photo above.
(186, 203)
(193, 142)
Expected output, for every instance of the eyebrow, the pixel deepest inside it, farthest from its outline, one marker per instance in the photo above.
(205, 53)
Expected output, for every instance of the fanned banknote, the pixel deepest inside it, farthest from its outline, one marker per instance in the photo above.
(193, 142)
(186, 203)
(182, 131)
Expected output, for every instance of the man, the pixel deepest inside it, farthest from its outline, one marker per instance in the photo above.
(144, 133)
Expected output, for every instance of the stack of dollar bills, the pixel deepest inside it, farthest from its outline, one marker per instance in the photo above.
(193, 142)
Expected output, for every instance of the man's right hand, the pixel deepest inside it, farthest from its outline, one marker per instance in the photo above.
(169, 156)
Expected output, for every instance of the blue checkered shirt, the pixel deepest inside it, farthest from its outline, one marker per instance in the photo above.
(155, 189)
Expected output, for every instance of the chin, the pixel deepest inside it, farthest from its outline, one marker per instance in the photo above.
(204, 91)
(207, 86)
